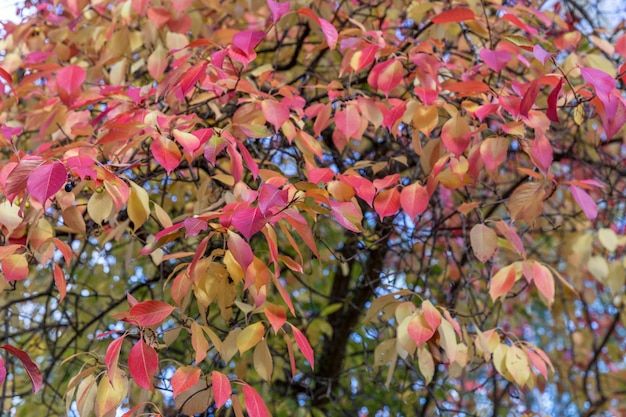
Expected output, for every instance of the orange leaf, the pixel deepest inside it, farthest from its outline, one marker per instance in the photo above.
(15, 267)
(544, 281)
(277, 315)
(502, 282)
(184, 378)
(59, 280)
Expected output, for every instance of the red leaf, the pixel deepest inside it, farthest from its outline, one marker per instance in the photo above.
(584, 200)
(254, 403)
(414, 199)
(552, 101)
(31, 368)
(166, 153)
(184, 378)
(7, 77)
(459, 14)
(221, 388)
(529, 97)
(59, 280)
(304, 345)
(277, 315)
(275, 112)
(143, 363)
(496, 60)
(112, 357)
(70, 80)
(151, 312)
(46, 180)
(387, 203)
(278, 9)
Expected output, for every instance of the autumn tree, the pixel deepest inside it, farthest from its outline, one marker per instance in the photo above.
(312, 208)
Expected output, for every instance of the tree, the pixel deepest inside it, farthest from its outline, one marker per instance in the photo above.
(312, 208)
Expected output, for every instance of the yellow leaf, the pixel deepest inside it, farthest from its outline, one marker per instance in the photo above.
(384, 352)
(109, 397)
(100, 207)
(527, 202)
(426, 364)
(517, 364)
(447, 340)
(86, 396)
(249, 337)
(598, 267)
(138, 205)
(263, 362)
(608, 239)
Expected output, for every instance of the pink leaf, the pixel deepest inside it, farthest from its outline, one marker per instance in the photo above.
(541, 54)
(272, 197)
(149, 313)
(3, 371)
(112, 356)
(240, 249)
(248, 221)
(70, 80)
(552, 102)
(275, 112)
(31, 368)
(459, 14)
(544, 281)
(542, 152)
(387, 203)
(247, 40)
(496, 60)
(329, 32)
(254, 403)
(221, 388)
(143, 363)
(347, 214)
(419, 330)
(166, 153)
(584, 200)
(348, 121)
(529, 97)
(278, 9)
(386, 76)
(414, 199)
(304, 345)
(46, 180)
(184, 378)
(602, 82)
